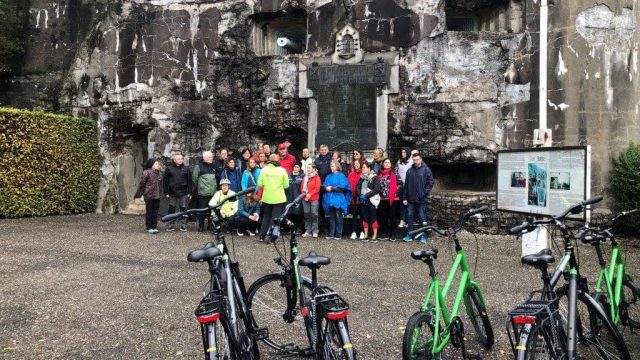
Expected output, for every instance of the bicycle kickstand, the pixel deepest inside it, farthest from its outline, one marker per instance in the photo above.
(457, 339)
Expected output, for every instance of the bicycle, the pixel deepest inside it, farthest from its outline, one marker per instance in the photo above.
(224, 302)
(431, 328)
(287, 301)
(567, 322)
(614, 289)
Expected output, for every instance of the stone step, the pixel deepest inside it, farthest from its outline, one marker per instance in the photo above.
(137, 207)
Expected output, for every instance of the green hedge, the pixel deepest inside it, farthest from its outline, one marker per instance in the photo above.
(625, 184)
(49, 164)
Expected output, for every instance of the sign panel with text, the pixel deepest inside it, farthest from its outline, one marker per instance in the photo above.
(543, 181)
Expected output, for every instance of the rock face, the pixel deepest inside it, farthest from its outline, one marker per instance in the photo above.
(167, 76)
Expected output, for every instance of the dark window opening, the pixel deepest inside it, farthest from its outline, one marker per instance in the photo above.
(485, 15)
(279, 33)
(464, 177)
(193, 131)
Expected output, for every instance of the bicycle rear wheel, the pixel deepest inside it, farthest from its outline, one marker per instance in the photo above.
(334, 341)
(216, 342)
(267, 299)
(479, 318)
(419, 337)
(536, 343)
(597, 337)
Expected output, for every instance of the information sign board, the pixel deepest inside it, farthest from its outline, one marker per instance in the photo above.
(543, 181)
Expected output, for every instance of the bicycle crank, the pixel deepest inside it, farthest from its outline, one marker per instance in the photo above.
(457, 339)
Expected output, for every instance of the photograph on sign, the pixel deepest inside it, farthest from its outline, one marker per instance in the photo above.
(542, 181)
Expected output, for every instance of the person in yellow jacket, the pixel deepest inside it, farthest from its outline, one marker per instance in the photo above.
(272, 183)
(229, 208)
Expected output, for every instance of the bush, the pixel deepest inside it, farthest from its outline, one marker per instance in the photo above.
(49, 164)
(625, 183)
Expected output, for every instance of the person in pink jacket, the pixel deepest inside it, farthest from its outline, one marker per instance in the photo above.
(386, 213)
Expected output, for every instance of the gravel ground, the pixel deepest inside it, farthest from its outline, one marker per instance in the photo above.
(98, 286)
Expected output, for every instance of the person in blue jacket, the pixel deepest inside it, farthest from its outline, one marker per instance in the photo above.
(417, 186)
(230, 172)
(247, 218)
(250, 175)
(336, 199)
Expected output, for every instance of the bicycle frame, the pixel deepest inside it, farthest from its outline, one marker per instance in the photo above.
(436, 298)
(612, 279)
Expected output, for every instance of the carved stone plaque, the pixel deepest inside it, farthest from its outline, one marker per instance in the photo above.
(346, 96)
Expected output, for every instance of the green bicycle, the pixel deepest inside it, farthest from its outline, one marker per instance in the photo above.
(430, 329)
(615, 289)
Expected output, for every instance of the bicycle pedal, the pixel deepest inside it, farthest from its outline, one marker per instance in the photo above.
(472, 356)
(308, 352)
(260, 334)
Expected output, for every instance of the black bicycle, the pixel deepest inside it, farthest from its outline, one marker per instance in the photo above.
(224, 303)
(567, 322)
(291, 305)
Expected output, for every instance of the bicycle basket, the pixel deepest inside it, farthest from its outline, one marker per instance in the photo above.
(210, 307)
(330, 305)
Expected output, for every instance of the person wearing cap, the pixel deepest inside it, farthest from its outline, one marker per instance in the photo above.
(286, 160)
(151, 187)
(230, 207)
(272, 183)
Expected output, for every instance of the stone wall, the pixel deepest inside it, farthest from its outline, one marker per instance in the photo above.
(168, 76)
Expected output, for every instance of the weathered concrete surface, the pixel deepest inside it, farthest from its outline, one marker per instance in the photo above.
(593, 85)
(168, 76)
(98, 287)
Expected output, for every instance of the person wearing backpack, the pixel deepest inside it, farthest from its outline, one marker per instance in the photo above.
(205, 183)
(388, 190)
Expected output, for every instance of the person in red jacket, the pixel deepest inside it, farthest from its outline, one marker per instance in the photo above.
(388, 192)
(354, 207)
(286, 160)
(311, 202)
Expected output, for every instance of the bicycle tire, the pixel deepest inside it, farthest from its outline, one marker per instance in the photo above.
(536, 343)
(268, 302)
(331, 341)
(413, 332)
(249, 346)
(222, 348)
(483, 328)
(597, 337)
(630, 306)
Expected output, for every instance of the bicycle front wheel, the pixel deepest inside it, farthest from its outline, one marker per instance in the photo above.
(267, 299)
(630, 306)
(419, 337)
(479, 318)
(596, 336)
(335, 343)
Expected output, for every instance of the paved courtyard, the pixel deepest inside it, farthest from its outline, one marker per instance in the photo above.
(99, 287)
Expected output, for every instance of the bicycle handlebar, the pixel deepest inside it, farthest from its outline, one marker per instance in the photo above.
(575, 209)
(456, 227)
(207, 210)
(295, 202)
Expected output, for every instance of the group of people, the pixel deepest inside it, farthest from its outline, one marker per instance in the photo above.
(378, 195)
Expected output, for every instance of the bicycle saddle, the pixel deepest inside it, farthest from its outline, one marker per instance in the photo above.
(425, 254)
(539, 260)
(204, 254)
(314, 261)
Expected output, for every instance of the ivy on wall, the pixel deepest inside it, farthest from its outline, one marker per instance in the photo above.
(625, 184)
(49, 164)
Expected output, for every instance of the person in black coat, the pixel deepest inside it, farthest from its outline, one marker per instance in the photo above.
(367, 188)
(177, 188)
(417, 186)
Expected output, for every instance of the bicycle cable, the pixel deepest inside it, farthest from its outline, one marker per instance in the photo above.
(475, 266)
